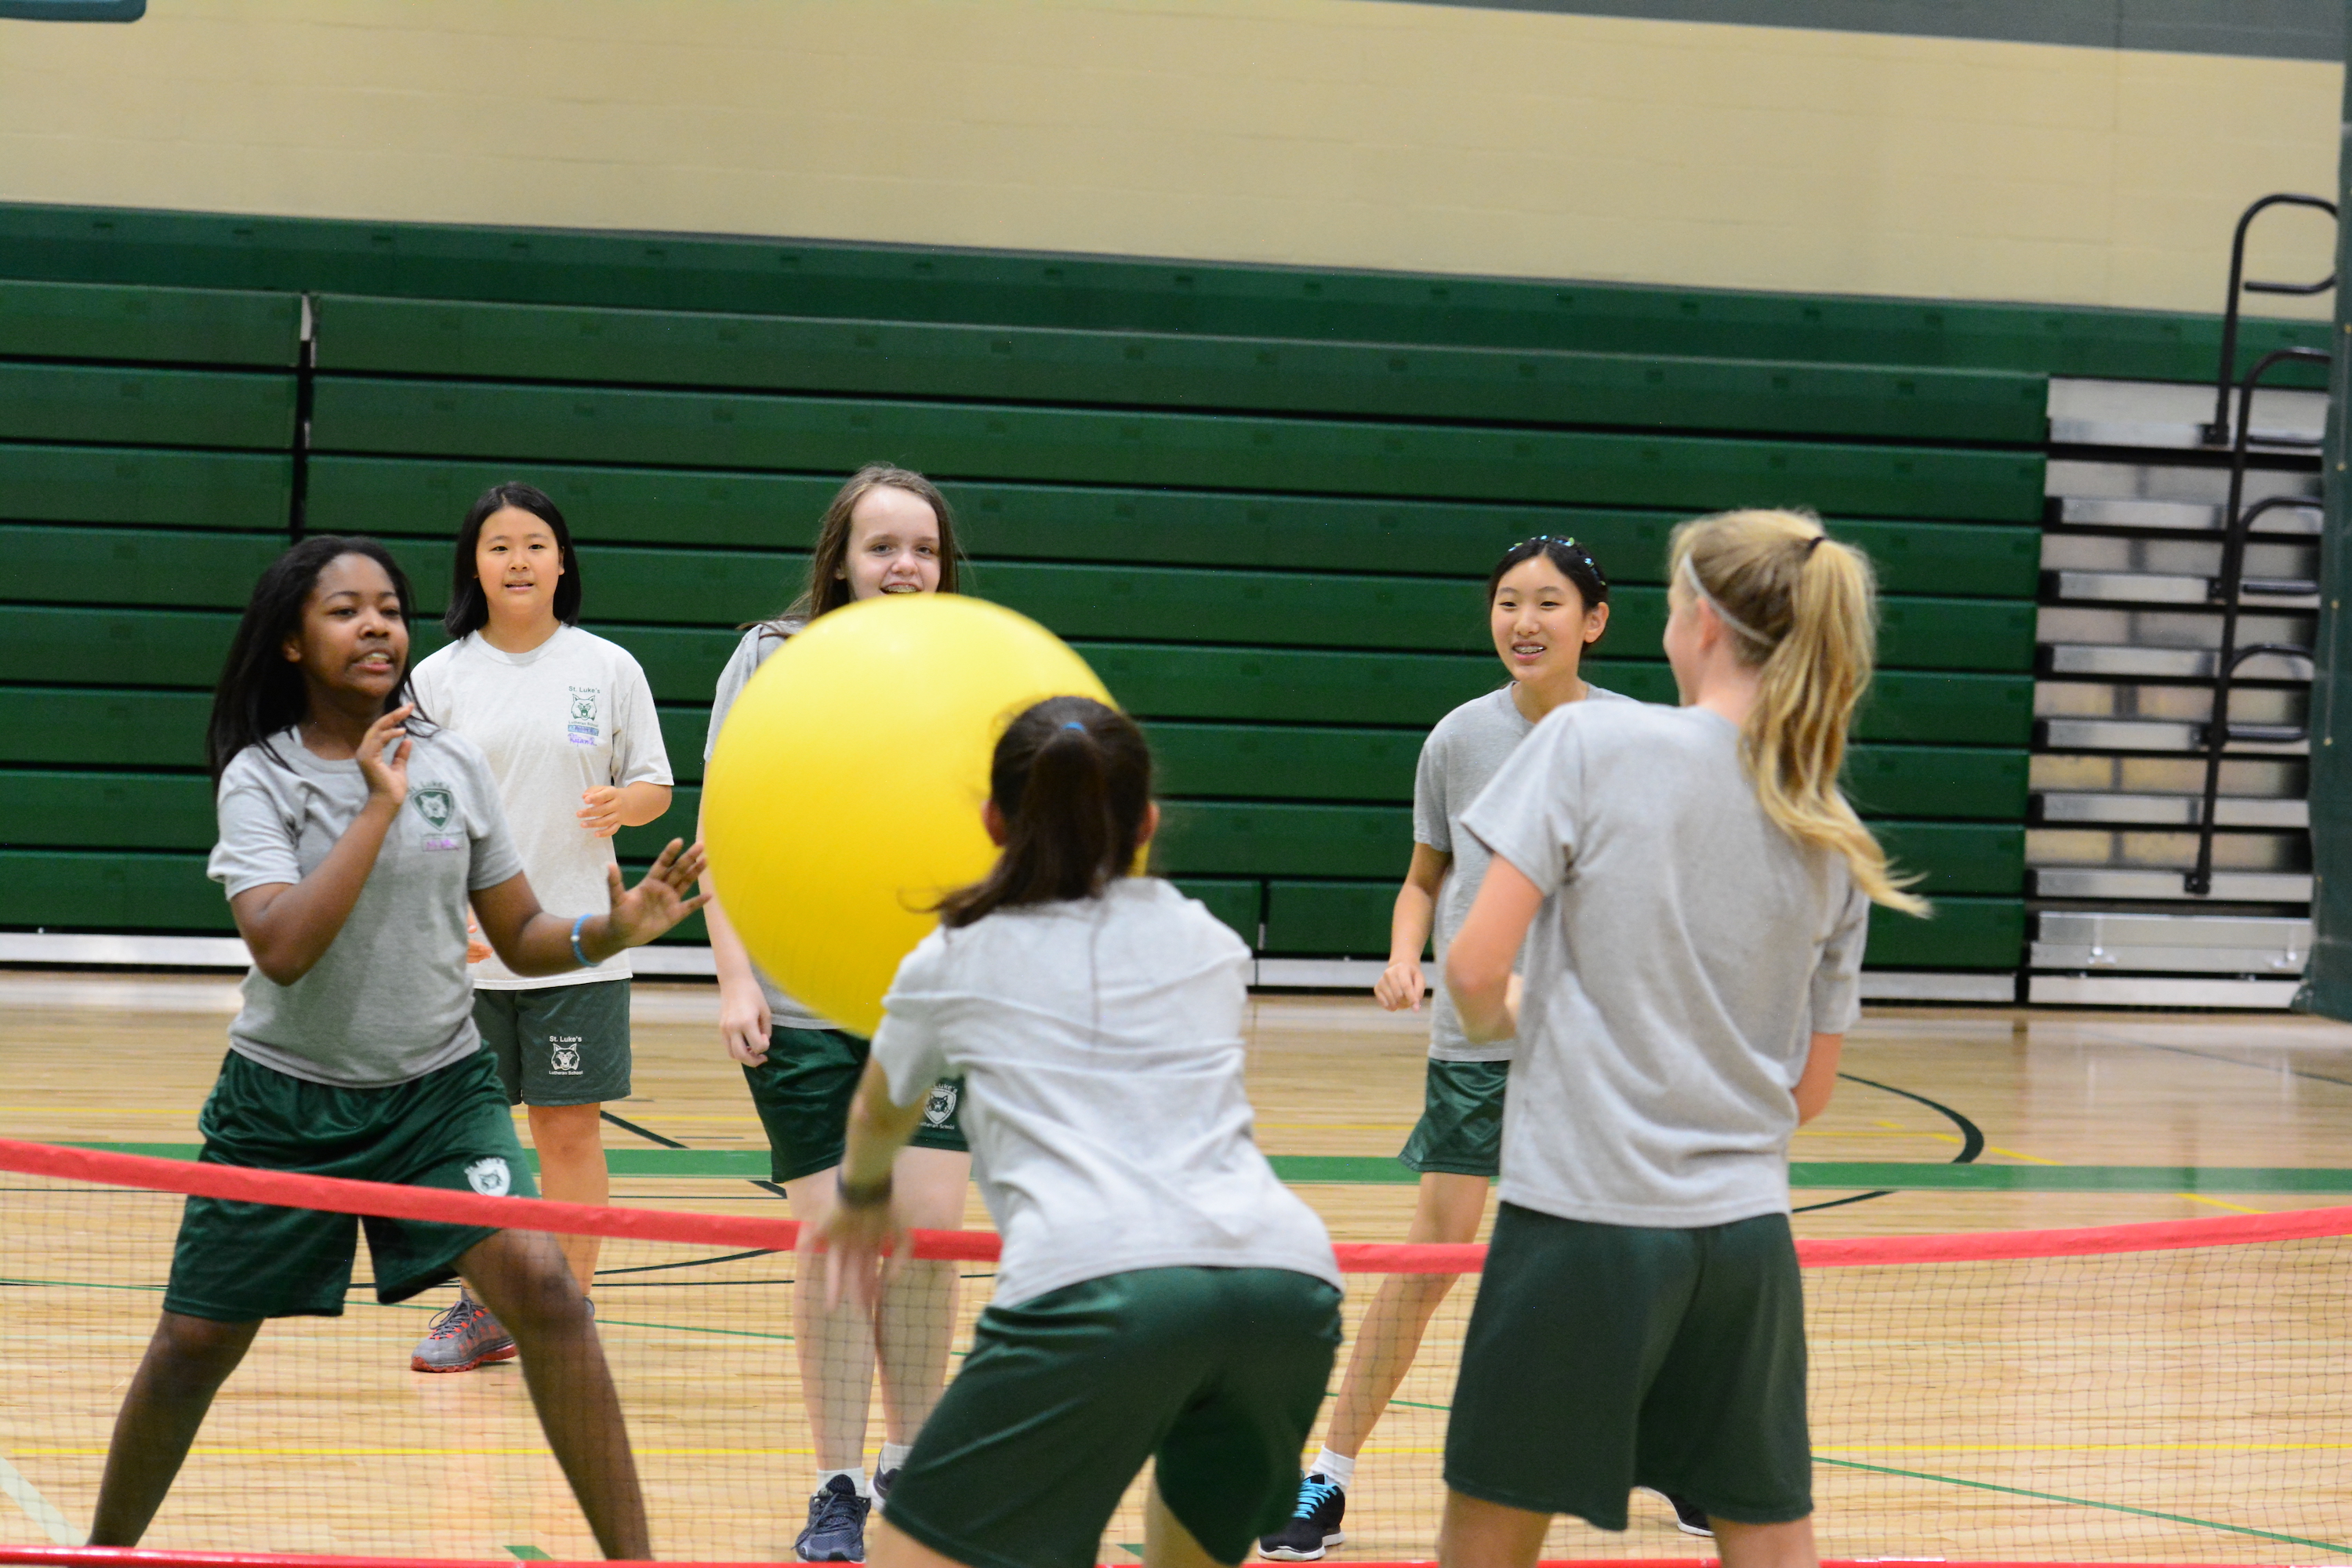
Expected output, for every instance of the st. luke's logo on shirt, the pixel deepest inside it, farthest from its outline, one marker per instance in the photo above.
(583, 729)
(489, 1177)
(940, 1108)
(438, 807)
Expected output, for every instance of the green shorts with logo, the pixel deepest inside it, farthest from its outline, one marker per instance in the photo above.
(1217, 1374)
(803, 1092)
(1605, 1357)
(235, 1262)
(1461, 1127)
(559, 1044)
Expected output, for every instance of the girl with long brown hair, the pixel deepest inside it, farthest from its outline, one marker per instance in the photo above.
(887, 531)
(1690, 893)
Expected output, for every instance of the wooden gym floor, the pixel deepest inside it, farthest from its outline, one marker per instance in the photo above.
(2185, 1406)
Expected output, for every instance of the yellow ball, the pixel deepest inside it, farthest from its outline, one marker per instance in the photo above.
(844, 795)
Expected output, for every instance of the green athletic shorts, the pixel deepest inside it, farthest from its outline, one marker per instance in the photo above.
(1605, 1357)
(1461, 1127)
(802, 1093)
(1214, 1373)
(559, 1044)
(235, 1262)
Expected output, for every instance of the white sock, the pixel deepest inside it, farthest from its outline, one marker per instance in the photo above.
(856, 1474)
(894, 1455)
(1335, 1467)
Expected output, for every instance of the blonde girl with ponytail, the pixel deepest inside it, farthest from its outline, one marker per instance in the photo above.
(1693, 893)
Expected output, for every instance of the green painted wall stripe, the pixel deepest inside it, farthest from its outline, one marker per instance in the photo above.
(1359, 1170)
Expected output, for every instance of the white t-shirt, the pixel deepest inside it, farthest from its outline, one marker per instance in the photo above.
(1100, 1044)
(1686, 955)
(572, 713)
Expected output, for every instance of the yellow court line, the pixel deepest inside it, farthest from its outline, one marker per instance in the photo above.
(1997, 1149)
(1341, 1126)
(2234, 1208)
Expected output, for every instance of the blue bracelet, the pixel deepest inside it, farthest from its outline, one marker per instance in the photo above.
(585, 961)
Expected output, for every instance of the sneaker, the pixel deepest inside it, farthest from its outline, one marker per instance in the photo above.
(883, 1481)
(462, 1336)
(1689, 1518)
(835, 1531)
(1314, 1524)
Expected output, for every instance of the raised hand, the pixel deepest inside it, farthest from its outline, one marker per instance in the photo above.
(382, 757)
(666, 896)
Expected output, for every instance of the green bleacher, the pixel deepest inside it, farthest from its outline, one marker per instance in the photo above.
(1260, 501)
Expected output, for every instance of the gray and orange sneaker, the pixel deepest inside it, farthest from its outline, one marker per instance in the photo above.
(462, 1336)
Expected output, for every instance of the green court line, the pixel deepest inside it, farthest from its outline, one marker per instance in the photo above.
(529, 1554)
(2085, 1502)
(1358, 1169)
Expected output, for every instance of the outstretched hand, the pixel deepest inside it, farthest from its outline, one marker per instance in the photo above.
(666, 896)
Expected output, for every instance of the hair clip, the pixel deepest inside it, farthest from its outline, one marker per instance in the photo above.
(1074, 724)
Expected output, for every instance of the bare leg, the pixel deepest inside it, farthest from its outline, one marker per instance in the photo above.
(1480, 1535)
(570, 1140)
(1167, 1544)
(187, 1360)
(916, 1324)
(1787, 1545)
(889, 1547)
(521, 1277)
(1448, 1210)
(835, 1345)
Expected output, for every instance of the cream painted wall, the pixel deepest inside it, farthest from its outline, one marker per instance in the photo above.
(1338, 132)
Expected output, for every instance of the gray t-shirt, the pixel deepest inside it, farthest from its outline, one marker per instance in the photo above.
(758, 645)
(1100, 1044)
(1687, 952)
(1460, 755)
(390, 1000)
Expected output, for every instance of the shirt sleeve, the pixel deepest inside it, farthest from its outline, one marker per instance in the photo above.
(1529, 813)
(1430, 824)
(909, 1045)
(1837, 979)
(740, 664)
(639, 755)
(256, 848)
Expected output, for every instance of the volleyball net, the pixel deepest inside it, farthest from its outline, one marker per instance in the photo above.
(2174, 1393)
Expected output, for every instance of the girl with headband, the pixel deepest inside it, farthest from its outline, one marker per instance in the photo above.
(1689, 894)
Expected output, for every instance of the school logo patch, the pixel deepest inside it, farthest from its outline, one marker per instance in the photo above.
(489, 1177)
(940, 1108)
(563, 1055)
(434, 803)
(583, 704)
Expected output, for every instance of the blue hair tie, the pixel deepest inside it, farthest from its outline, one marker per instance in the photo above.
(1074, 724)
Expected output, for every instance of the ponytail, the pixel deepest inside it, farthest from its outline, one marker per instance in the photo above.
(1073, 779)
(1802, 610)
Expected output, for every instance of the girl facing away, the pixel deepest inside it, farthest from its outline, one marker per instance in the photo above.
(567, 723)
(1690, 893)
(888, 531)
(1161, 1296)
(352, 834)
(1547, 602)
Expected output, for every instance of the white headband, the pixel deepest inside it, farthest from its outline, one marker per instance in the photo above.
(1728, 619)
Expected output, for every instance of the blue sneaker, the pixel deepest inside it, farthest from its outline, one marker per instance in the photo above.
(461, 1337)
(1314, 1524)
(835, 1531)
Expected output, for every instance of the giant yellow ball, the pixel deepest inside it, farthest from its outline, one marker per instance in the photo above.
(844, 795)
